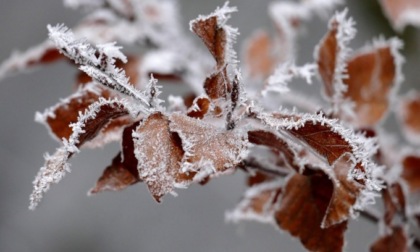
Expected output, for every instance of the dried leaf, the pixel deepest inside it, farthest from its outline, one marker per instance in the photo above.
(302, 209)
(123, 170)
(408, 114)
(114, 178)
(332, 53)
(411, 172)
(274, 142)
(259, 58)
(401, 12)
(59, 117)
(208, 149)
(199, 108)
(218, 85)
(159, 153)
(86, 128)
(374, 75)
(44, 53)
(394, 201)
(396, 241)
(258, 203)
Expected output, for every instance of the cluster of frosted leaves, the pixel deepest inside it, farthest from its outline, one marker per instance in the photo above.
(329, 179)
(164, 150)
(401, 13)
(328, 167)
(361, 86)
(153, 24)
(263, 53)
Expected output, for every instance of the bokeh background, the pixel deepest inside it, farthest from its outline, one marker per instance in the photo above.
(68, 220)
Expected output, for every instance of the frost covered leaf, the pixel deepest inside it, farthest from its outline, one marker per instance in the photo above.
(345, 194)
(88, 125)
(401, 12)
(397, 240)
(199, 108)
(411, 172)
(208, 149)
(98, 62)
(159, 153)
(331, 55)
(258, 203)
(216, 35)
(259, 58)
(374, 76)
(274, 142)
(302, 209)
(409, 118)
(123, 170)
(217, 85)
(44, 53)
(347, 155)
(115, 177)
(394, 201)
(59, 117)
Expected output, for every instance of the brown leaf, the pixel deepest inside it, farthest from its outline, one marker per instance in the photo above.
(159, 153)
(213, 36)
(400, 12)
(272, 141)
(327, 59)
(411, 172)
(86, 128)
(323, 139)
(259, 57)
(217, 85)
(258, 203)
(394, 201)
(199, 107)
(331, 55)
(302, 209)
(59, 117)
(114, 178)
(123, 170)
(208, 148)
(373, 77)
(396, 241)
(44, 53)
(345, 194)
(111, 132)
(409, 116)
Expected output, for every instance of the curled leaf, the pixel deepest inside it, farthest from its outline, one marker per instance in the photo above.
(374, 77)
(302, 209)
(159, 153)
(123, 170)
(208, 149)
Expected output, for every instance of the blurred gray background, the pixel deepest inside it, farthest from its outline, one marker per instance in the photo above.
(68, 220)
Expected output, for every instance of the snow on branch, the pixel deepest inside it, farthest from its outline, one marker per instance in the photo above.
(98, 63)
(86, 128)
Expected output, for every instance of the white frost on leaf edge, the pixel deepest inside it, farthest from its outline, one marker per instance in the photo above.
(223, 15)
(362, 150)
(18, 61)
(345, 33)
(283, 75)
(56, 166)
(41, 117)
(84, 54)
(239, 213)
